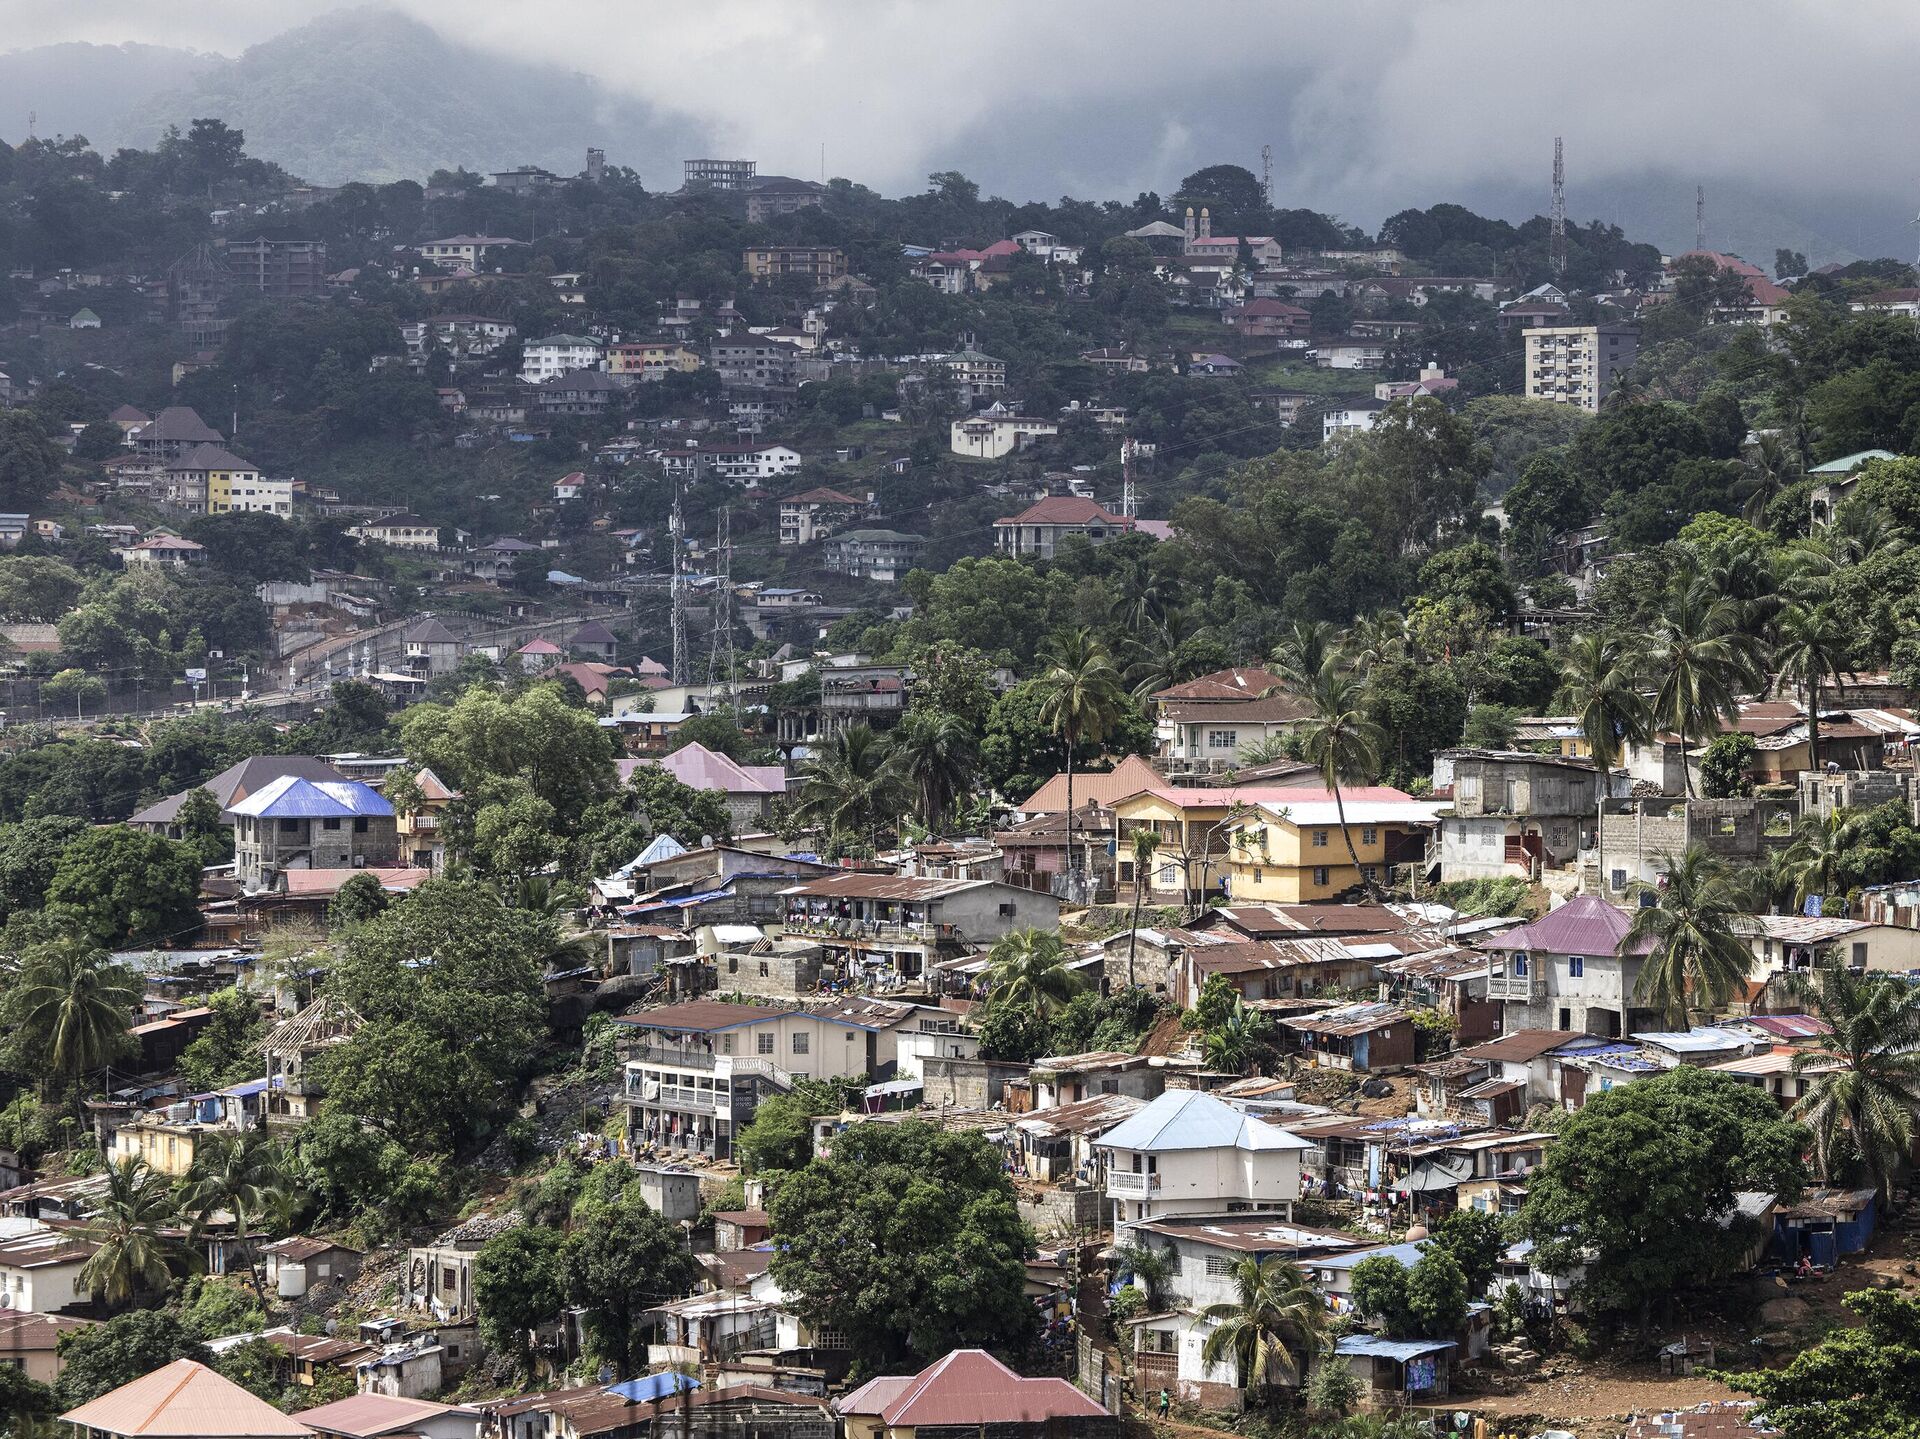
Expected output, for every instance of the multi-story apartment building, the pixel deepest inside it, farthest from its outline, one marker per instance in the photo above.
(458, 335)
(651, 359)
(279, 269)
(971, 373)
(1578, 364)
(772, 195)
(295, 823)
(553, 355)
(814, 515)
(1293, 851)
(822, 264)
(904, 922)
(718, 174)
(1189, 1152)
(467, 252)
(1039, 529)
(246, 493)
(755, 360)
(874, 554)
(996, 432)
(198, 474)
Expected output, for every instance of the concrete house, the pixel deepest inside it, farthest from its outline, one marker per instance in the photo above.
(294, 823)
(750, 791)
(1565, 971)
(300, 1262)
(40, 1268)
(971, 1392)
(1515, 813)
(996, 432)
(1039, 529)
(1188, 1152)
(902, 924)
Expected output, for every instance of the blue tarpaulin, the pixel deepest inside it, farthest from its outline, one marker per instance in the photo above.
(649, 1387)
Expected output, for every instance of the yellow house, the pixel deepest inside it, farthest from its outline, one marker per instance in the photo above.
(167, 1148)
(1293, 852)
(652, 359)
(1197, 858)
(205, 472)
(1562, 732)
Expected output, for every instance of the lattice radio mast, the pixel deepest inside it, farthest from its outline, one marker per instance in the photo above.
(720, 653)
(1699, 217)
(1129, 502)
(1266, 174)
(676, 530)
(1558, 226)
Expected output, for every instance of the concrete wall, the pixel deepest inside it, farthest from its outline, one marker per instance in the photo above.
(967, 1083)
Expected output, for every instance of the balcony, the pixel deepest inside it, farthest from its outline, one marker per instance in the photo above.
(1125, 1184)
(878, 930)
(1524, 988)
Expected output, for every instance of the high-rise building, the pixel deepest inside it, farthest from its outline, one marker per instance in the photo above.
(718, 174)
(1578, 364)
(279, 269)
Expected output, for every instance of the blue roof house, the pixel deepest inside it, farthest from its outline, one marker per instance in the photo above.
(294, 823)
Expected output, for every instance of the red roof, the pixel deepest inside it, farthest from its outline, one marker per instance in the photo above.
(967, 1388)
(1240, 683)
(1583, 925)
(821, 496)
(1067, 510)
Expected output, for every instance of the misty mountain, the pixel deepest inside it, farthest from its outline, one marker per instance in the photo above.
(370, 95)
(77, 89)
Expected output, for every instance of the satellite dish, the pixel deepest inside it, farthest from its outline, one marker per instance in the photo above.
(706, 841)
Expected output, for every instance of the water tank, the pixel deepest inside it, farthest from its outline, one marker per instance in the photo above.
(292, 1282)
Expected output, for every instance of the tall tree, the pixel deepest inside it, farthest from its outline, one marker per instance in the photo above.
(241, 1175)
(937, 757)
(1696, 960)
(1599, 684)
(72, 998)
(1266, 1331)
(1343, 743)
(130, 1227)
(1146, 843)
(1813, 646)
(850, 788)
(1862, 1086)
(1699, 658)
(1081, 699)
(1028, 969)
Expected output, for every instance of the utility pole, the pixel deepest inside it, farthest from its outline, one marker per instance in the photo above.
(1699, 217)
(1558, 230)
(1127, 500)
(677, 591)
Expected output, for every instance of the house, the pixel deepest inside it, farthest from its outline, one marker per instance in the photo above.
(1035, 853)
(1038, 530)
(666, 1405)
(163, 552)
(438, 1276)
(1209, 364)
(233, 783)
(997, 432)
(1565, 971)
(880, 555)
(1526, 1060)
(773, 195)
(400, 531)
(83, 319)
(183, 1400)
(1359, 1037)
(406, 1369)
(206, 477)
(1306, 846)
(1202, 726)
(172, 432)
(1268, 319)
(595, 641)
(386, 1416)
(1636, 836)
(1836, 479)
(40, 1268)
(1789, 943)
(755, 361)
(821, 264)
(1350, 417)
(750, 791)
(30, 1342)
(431, 648)
(467, 252)
(552, 356)
(1514, 812)
(299, 1262)
(1188, 1152)
(295, 823)
(1351, 352)
(1064, 1079)
(877, 919)
(1199, 240)
(1398, 1371)
(1056, 1145)
(814, 514)
(460, 336)
(969, 1391)
(578, 392)
(651, 360)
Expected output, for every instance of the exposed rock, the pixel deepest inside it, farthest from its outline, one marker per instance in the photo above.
(1785, 1310)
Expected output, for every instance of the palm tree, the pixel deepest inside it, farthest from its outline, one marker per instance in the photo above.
(129, 1227)
(1303, 652)
(1145, 843)
(1343, 743)
(1152, 1269)
(1769, 468)
(1813, 646)
(1156, 658)
(79, 1002)
(1696, 960)
(1821, 845)
(850, 786)
(1275, 1318)
(1864, 1089)
(936, 758)
(1597, 683)
(1700, 657)
(240, 1174)
(1080, 701)
(1238, 1042)
(1771, 882)
(1375, 640)
(1028, 968)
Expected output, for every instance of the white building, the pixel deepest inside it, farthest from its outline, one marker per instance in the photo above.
(1350, 417)
(1578, 364)
(996, 432)
(1190, 1153)
(251, 495)
(555, 355)
(464, 251)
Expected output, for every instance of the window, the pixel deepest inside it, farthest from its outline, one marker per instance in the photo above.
(763, 969)
(1218, 1268)
(1519, 966)
(1859, 959)
(800, 1042)
(360, 825)
(1168, 877)
(329, 824)
(1319, 839)
(733, 964)
(1369, 835)
(289, 826)
(726, 1044)
(764, 1043)
(1576, 968)
(1320, 874)
(1220, 739)
(1617, 881)
(1370, 873)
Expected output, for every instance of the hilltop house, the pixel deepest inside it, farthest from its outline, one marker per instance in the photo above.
(749, 790)
(1039, 529)
(997, 432)
(1188, 1152)
(295, 823)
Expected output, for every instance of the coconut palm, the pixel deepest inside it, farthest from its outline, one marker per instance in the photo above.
(1821, 845)
(238, 1174)
(1146, 843)
(1771, 883)
(1598, 684)
(1699, 657)
(1081, 701)
(1152, 1269)
(1814, 646)
(1028, 968)
(849, 788)
(1696, 960)
(934, 753)
(129, 1226)
(1273, 1321)
(1769, 467)
(79, 1002)
(1863, 1107)
(1303, 652)
(1341, 741)
(1375, 640)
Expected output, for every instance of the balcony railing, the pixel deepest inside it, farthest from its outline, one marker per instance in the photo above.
(879, 929)
(1526, 988)
(1125, 1184)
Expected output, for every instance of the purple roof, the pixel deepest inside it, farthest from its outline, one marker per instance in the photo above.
(1583, 925)
(698, 767)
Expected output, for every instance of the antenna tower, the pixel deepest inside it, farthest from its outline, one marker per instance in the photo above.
(1558, 238)
(1128, 502)
(675, 531)
(720, 654)
(1266, 174)
(1699, 217)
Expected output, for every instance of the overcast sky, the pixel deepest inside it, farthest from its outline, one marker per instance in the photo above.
(1368, 106)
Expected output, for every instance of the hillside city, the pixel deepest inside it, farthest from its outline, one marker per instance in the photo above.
(764, 811)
